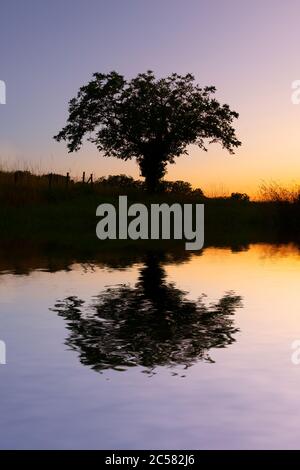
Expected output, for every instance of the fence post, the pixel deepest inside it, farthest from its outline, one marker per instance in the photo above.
(90, 180)
(68, 179)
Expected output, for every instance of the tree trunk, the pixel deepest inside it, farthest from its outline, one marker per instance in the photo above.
(152, 169)
(152, 183)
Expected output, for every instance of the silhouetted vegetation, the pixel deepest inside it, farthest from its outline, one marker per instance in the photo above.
(240, 197)
(26, 188)
(274, 192)
(149, 325)
(151, 120)
(61, 211)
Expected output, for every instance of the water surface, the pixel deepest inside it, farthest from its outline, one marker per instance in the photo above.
(163, 352)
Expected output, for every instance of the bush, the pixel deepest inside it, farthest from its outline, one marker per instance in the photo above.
(240, 197)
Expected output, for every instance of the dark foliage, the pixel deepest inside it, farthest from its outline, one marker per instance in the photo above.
(152, 324)
(152, 120)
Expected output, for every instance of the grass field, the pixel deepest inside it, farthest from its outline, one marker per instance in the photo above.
(62, 214)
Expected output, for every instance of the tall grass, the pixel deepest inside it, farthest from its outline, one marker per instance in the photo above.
(275, 192)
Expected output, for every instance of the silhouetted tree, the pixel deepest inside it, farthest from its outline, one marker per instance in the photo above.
(152, 120)
(240, 197)
(122, 182)
(149, 325)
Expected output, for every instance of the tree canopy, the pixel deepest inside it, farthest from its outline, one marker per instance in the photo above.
(152, 120)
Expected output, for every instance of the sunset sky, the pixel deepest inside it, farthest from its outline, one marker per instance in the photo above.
(248, 50)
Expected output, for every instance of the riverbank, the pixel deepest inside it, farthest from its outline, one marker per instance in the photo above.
(70, 222)
(63, 215)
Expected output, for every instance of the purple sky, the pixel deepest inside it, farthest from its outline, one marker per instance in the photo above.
(248, 50)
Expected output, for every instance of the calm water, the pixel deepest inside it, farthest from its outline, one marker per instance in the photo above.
(165, 353)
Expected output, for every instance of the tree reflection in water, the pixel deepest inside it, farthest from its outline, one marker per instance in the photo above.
(149, 325)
